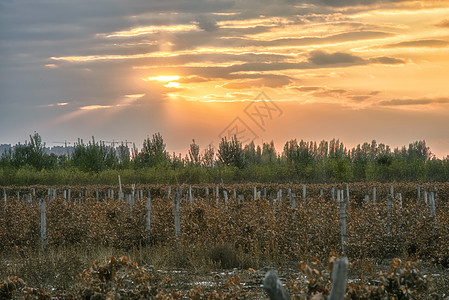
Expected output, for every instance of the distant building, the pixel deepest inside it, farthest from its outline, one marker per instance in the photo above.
(59, 150)
(5, 148)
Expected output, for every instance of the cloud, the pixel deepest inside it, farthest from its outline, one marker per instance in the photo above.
(419, 43)
(207, 23)
(417, 101)
(386, 60)
(274, 81)
(94, 107)
(443, 23)
(343, 3)
(321, 58)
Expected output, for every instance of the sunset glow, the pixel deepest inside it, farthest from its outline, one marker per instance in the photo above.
(383, 65)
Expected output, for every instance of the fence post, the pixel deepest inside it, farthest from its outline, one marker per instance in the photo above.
(148, 219)
(190, 194)
(341, 202)
(120, 193)
(274, 288)
(43, 210)
(225, 196)
(217, 194)
(4, 196)
(419, 192)
(292, 202)
(339, 276)
(304, 192)
(176, 208)
(333, 193)
(432, 204)
(389, 205)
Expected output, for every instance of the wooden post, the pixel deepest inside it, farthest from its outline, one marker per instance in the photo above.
(425, 197)
(292, 202)
(389, 205)
(5, 196)
(225, 196)
(321, 192)
(235, 193)
(190, 194)
(432, 204)
(69, 194)
(176, 211)
(207, 191)
(120, 193)
(280, 195)
(217, 194)
(400, 200)
(374, 195)
(304, 192)
(148, 219)
(255, 194)
(339, 276)
(333, 193)
(43, 210)
(419, 192)
(392, 191)
(18, 196)
(274, 288)
(342, 221)
(239, 200)
(169, 193)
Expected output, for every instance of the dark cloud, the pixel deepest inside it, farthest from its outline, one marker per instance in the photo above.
(443, 23)
(342, 3)
(418, 101)
(316, 60)
(207, 23)
(419, 43)
(273, 81)
(321, 58)
(386, 60)
(359, 98)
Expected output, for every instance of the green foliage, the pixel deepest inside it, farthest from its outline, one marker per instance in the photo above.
(230, 153)
(153, 152)
(300, 161)
(94, 156)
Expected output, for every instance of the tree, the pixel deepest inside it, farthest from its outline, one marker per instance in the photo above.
(208, 158)
(153, 152)
(194, 153)
(94, 156)
(230, 153)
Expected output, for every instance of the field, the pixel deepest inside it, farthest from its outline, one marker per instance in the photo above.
(223, 243)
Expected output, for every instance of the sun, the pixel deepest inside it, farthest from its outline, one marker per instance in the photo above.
(169, 79)
(172, 84)
(164, 78)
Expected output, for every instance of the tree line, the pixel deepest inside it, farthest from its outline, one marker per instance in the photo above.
(299, 161)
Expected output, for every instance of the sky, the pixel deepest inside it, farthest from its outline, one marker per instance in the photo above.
(354, 70)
